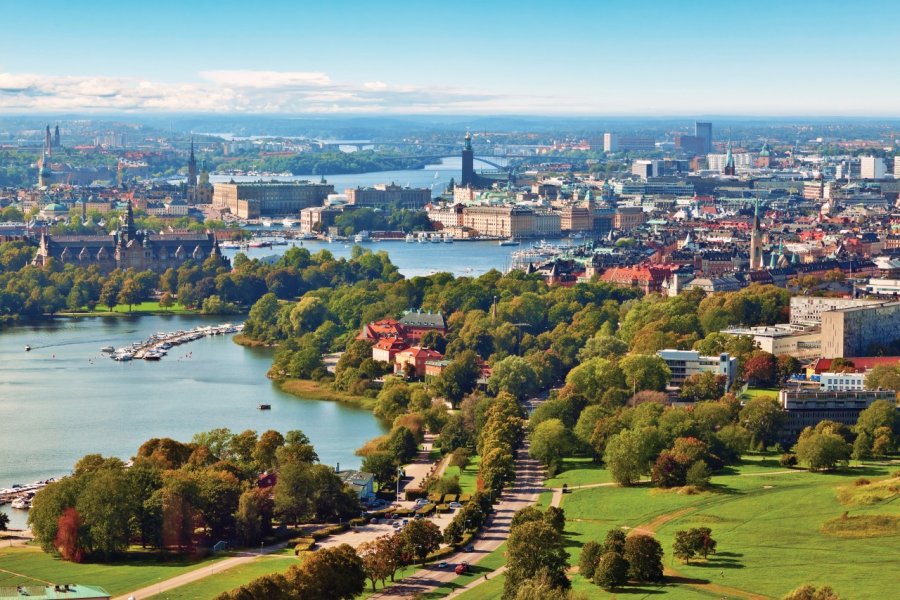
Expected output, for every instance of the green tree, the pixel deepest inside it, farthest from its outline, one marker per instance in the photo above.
(130, 293)
(862, 447)
(611, 571)
(590, 556)
(614, 541)
(884, 377)
(513, 375)
(703, 386)
(644, 556)
(762, 416)
(881, 413)
(458, 378)
(421, 537)
(645, 372)
(551, 441)
(628, 455)
(166, 301)
(811, 592)
(532, 548)
(821, 451)
(329, 574)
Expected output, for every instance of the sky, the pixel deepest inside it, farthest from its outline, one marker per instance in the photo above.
(590, 58)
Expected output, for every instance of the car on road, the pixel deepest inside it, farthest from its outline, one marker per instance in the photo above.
(442, 565)
(461, 568)
(455, 505)
(470, 548)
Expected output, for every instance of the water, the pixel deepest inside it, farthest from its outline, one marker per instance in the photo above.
(449, 167)
(63, 399)
(460, 258)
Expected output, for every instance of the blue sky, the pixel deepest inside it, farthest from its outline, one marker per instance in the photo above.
(606, 57)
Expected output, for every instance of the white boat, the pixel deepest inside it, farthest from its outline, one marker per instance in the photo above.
(509, 242)
(410, 238)
(266, 222)
(362, 236)
(107, 349)
(435, 239)
(447, 239)
(21, 503)
(290, 223)
(27, 348)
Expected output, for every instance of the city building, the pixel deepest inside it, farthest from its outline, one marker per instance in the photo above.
(645, 168)
(317, 218)
(807, 311)
(703, 130)
(128, 248)
(258, 199)
(388, 195)
(684, 363)
(806, 408)
(613, 142)
(628, 217)
(842, 382)
(411, 362)
(416, 324)
(871, 167)
(856, 331)
(500, 221)
(798, 342)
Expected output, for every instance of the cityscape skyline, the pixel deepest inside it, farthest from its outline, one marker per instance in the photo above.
(614, 59)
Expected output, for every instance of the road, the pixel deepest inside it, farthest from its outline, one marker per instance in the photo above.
(523, 492)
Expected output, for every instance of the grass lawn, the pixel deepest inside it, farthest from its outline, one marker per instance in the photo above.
(467, 477)
(215, 584)
(150, 307)
(754, 392)
(313, 390)
(31, 566)
(578, 471)
(768, 525)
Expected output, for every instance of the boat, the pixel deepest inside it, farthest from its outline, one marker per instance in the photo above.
(265, 407)
(448, 239)
(289, 223)
(21, 503)
(410, 238)
(107, 349)
(362, 236)
(508, 242)
(265, 222)
(27, 348)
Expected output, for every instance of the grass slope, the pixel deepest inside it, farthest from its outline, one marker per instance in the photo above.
(217, 583)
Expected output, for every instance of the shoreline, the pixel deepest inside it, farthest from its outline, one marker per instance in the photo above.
(313, 390)
(241, 340)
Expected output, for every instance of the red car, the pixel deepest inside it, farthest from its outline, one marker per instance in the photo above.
(461, 568)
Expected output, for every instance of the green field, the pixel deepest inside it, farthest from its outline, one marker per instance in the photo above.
(768, 526)
(468, 477)
(31, 566)
(754, 392)
(215, 584)
(150, 307)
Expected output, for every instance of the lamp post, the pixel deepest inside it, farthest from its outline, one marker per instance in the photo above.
(398, 483)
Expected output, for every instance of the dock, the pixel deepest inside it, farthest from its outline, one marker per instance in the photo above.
(158, 344)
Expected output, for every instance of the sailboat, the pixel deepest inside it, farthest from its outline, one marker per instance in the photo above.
(436, 175)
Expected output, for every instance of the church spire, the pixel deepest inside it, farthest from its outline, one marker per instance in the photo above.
(729, 161)
(192, 169)
(755, 241)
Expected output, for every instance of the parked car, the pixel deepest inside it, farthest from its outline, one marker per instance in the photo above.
(455, 505)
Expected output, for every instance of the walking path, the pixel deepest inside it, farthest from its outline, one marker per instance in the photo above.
(198, 573)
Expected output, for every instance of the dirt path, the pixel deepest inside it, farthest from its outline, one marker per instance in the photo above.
(27, 577)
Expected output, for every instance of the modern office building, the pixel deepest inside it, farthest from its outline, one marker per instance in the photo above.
(871, 167)
(855, 331)
(261, 199)
(645, 168)
(805, 408)
(807, 311)
(613, 142)
(684, 363)
(799, 342)
(842, 382)
(703, 131)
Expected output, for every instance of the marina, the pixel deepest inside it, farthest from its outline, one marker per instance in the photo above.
(157, 345)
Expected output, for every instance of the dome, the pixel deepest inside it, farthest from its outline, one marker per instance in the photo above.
(55, 207)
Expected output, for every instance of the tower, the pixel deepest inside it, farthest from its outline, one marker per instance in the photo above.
(192, 169)
(755, 241)
(128, 228)
(729, 162)
(468, 163)
(56, 137)
(48, 142)
(703, 130)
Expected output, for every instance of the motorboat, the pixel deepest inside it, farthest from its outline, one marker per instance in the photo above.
(265, 407)
(27, 348)
(509, 242)
(107, 349)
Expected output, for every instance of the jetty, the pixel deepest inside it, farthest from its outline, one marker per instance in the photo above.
(20, 496)
(157, 345)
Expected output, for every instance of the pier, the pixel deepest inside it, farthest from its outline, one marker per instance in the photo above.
(158, 344)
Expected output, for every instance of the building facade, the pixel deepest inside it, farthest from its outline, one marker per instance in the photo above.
(684, 363)
(805, 408)
(854, 331)
(386, 195)
(259, 199)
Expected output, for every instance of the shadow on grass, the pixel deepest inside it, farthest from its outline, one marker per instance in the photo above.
(682, 580)
(718, 562)
(637, 589)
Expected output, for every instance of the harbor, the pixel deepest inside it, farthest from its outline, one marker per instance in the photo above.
(19, 496)
(158, 345)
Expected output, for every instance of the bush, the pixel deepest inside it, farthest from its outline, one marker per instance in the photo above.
(788, 460)
(304, 545)
(861, 481)
(644, 556)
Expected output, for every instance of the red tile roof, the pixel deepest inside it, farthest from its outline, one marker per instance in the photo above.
(861, 363)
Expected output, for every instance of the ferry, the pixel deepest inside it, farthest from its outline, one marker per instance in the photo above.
(447, 239)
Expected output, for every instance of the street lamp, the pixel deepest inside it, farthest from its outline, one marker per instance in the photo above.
(398, 483)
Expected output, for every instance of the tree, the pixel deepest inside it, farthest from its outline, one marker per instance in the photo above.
(614, 541)
(593, 377)
(381, 465)
(550, 442)
(402, 446)
(329, 574)
(68, 539)
(881, 413)
(645, 372)
(787, 366)
(166, 301)
(683, 547)
(762, 416)
(703, 386)
(693, 542)
(821, 451)
(110, 292)
(376, 563)
(862, 447)
(611, 572)
(667, 471)
(248, 519)
(4, 521)
(532, 548)
(556, 518)
(421, 537)
(644, 556)
(761, 369)
(884, 377)
(460, 457)
(395, 551)
(513, 375)
(458, 378)
(698, 474)
(811, 592)
(590, 555)
(628, 454)
(130, 293)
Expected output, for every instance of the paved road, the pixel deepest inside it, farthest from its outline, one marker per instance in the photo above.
(523, 492)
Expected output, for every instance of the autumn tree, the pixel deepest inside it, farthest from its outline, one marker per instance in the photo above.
(421, 537)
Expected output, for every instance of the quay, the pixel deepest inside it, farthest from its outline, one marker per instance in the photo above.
(158, 344)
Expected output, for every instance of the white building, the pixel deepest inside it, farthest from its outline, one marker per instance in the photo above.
(842, 382)
(799, 342)
(610, 142)
(871, 167)
(807, 311)
(684, 363)
(744, 160)
(645, 168)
